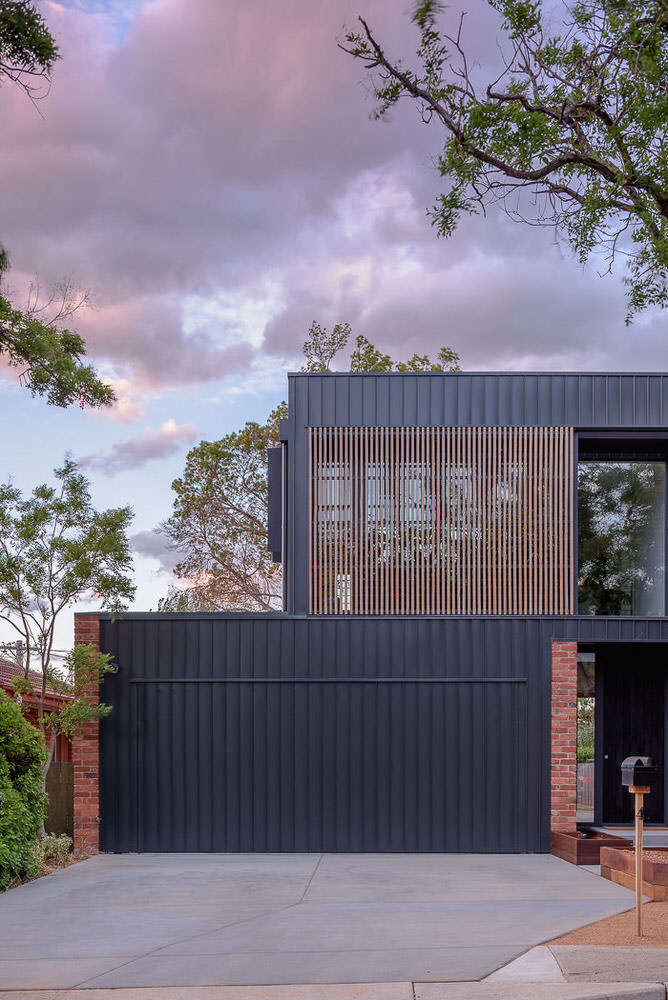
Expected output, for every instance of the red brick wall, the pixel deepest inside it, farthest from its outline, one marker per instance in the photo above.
(86, 758)
(564, 734)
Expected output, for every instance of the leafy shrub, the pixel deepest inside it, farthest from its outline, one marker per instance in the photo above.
(585, 741)
(585, 747)
(53, 848)
(22, 801)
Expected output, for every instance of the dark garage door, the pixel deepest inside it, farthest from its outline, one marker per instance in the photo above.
(198, 757)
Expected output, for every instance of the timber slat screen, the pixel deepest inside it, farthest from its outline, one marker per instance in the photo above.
(441, 520)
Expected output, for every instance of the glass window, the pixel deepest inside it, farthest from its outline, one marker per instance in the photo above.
(585, 745)
(621, 538)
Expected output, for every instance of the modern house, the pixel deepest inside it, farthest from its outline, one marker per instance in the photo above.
(463, 555)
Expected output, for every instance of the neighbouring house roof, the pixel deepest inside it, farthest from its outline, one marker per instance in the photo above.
(9, 670)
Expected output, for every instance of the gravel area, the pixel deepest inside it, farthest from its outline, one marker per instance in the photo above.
(621, 929)
(655, 855)
(650, 853)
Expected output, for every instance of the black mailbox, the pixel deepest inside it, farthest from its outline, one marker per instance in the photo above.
(639, 771)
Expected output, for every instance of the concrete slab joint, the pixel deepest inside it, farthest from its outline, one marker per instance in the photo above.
(140, 921)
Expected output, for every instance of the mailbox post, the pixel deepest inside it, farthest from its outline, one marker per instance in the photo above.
(638, 775)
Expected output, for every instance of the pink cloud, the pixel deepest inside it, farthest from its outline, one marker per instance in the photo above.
(223, 144)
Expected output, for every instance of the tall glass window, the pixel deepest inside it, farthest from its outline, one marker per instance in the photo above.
(621, 538)
(585, 737)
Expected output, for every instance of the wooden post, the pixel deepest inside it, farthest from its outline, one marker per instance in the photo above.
(639, 791)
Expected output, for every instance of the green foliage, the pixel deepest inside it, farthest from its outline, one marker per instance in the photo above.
(53, 848)
(585, 739)
(367, 358)
(86, 669)
(571, 133)
(22, 800)
(220, 522)
(50, 360)
(320, 347)
(447, 360)
(27, 47)
(56, 549)
(620, 538)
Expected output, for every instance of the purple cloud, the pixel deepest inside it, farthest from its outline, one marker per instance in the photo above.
(138, 451)
(175, 163)
(155, 545)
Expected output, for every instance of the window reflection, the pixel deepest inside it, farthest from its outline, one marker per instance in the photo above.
(585, 737)
(621, 538)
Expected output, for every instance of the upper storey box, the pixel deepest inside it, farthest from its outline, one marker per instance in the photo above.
(472, 494)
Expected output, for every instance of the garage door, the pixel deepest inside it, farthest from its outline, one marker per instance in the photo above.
(214, 746)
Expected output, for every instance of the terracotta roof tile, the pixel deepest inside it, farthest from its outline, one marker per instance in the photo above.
(9, 670)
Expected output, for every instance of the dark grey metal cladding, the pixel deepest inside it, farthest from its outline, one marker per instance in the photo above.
(578, 400)
(334, 734)
(255, 733)
(275, 502)
(480, 398)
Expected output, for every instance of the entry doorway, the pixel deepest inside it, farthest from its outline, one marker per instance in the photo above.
(630, 694)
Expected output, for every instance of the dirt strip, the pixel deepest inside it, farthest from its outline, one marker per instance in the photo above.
(621, 929)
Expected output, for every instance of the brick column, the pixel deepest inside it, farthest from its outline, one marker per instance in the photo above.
(564, 734)
(86, 757)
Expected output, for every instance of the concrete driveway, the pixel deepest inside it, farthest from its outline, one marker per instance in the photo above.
(211, 919)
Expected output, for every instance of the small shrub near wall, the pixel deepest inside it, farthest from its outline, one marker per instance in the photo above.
(22, 801)
(54, 851)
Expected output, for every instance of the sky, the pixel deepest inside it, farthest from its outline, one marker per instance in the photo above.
(210, 173)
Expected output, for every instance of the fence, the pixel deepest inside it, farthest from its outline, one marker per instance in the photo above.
(60, 789)
(585, 793)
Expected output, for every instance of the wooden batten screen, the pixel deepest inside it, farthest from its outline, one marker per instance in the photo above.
(441, 520)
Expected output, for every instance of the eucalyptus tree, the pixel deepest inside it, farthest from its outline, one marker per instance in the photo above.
(219, 519)
(49, 357)
(569, 130)
(28, 50)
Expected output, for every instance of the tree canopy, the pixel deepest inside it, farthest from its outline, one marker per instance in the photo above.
(570, 130)
(321, 347)
(28, 50)
(56, 549)
(219, 521)
(50, 358)
(621, 532)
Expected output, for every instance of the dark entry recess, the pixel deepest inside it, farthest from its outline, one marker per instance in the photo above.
(630, 713)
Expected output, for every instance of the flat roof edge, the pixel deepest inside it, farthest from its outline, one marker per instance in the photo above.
(286, 616)
(483, 374)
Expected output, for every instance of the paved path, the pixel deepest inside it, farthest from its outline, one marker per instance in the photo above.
(197, 920)
(364, 991)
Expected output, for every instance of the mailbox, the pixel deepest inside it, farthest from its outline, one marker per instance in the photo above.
(639, 771)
